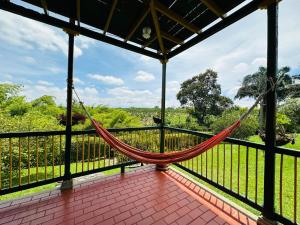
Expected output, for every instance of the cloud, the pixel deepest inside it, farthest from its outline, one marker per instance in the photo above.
(46, 83)
(29, 60)
(143, 76)
(78, 81)
(107, 79)
(21, 32)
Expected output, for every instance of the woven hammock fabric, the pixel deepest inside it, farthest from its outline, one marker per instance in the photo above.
(163, 158)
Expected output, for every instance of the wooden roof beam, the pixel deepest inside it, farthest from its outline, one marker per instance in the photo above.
(172, 15)
(149, 42)
(212, 6)
(171, 38)
(136, 26)
(78, 11)
(157, 27)
(45, 7)
(111, 12)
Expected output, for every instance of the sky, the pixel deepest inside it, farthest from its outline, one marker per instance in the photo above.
(35, 55)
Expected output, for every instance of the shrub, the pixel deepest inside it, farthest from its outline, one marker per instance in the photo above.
(248, 127)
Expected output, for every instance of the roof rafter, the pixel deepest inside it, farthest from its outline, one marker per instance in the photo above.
(157, 26)
(216, 9)
(149, 42)
(171, 38)
(111, 12)
(136, 26)
(45, 7)
(78, 11)
(172, 15)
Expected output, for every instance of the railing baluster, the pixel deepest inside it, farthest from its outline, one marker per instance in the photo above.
(37, 159)
(45, 158)
(280, 183)
(10, 164)
(94, 151)
(99, 151)
(247, 171)
(0, 164)
(212, 163)
(60, 154)
(256, 174)
(53, 157)
(224, 158)
(104, 153)
(20, 161)
(295, 188)
(89, 152)
(77, 149)
(239, 160)
(218, 163)
(82, 153)
(231, 164)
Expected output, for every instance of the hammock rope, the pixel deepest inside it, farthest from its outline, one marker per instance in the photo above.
(173, 156)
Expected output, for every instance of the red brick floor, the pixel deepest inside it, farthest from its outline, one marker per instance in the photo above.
(142, 197)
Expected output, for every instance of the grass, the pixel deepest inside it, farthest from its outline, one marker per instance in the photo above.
(38, 174)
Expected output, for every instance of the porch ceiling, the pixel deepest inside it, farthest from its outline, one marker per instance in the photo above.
(175, 25)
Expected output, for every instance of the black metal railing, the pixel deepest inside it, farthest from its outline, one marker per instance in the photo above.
(31, 159)
(236, 167)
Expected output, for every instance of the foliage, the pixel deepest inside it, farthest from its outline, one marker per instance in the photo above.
(248, 127)
(291, 108)
(203, 94)
(255, 84)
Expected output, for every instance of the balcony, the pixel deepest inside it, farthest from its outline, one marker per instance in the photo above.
(192, 192)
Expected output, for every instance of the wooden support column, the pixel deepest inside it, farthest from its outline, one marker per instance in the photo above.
(67, 183)
(272, 67)
(163, 113)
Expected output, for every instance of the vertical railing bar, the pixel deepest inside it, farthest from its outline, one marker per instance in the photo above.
(109, 149)
(94, 149)
(224, 163)
(20, 160)
(99, 151)
(231, 166)
(89, 152)
(53, 156)
(212, 164)
(28, 159)
(45, 158)
(280, 183)
(60, 154)
(104, 154)
(295, 188)
(37, 159)
(206, 162)
(218, 158)
(77, 149)
(82, 152)
(247, 171)
(256, 174)
(197, 158)
(0, 164)
(239, 159)
(10, 164)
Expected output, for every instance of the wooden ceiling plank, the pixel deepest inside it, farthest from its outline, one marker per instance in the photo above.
(171, 38)
(111, 12)
(179, 19)
(157, 27)
(136, 26)
(216, 9)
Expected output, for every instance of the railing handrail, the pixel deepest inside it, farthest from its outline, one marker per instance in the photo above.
(230, 140)
(63, 132)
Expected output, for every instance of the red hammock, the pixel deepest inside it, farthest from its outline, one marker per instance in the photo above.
(163, 158)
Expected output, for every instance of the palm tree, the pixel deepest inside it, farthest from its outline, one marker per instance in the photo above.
(255, 84)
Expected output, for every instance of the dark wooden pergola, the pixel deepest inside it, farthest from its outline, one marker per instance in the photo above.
(176, 25)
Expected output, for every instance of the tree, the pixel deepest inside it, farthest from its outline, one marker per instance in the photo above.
(7, 92)
(255, 84)
(203, 94)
